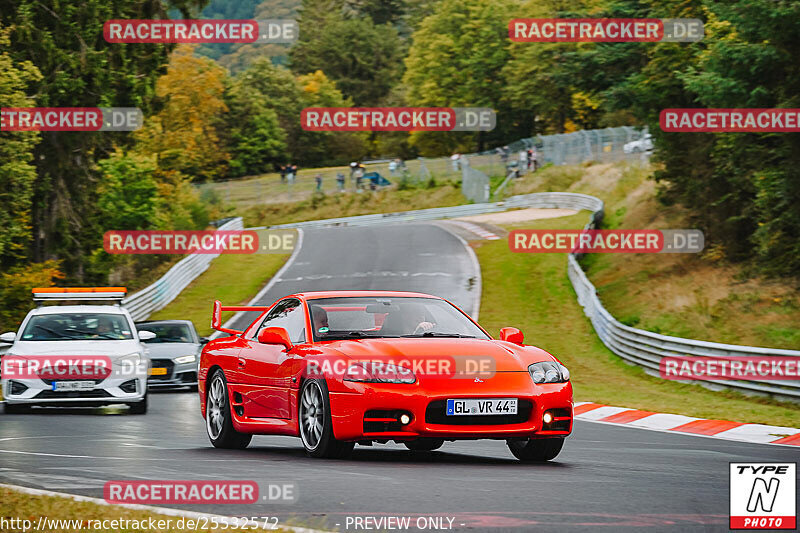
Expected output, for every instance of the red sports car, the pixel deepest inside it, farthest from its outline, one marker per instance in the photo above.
(344, 367)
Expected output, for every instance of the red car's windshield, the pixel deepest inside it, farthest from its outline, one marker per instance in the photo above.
(356, 317)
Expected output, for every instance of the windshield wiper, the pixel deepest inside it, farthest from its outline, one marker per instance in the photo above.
(438, 334)
(354, 335)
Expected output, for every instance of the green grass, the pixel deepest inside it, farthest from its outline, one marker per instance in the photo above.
(532, 292)
(351, 204)
(232, 279)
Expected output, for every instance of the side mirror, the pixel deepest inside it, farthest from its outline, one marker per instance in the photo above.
(204, 340)
(275, 336)
(146, 335)
(8, 337)
(511, 335)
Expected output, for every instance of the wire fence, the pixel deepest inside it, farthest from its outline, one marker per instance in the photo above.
(471, 171)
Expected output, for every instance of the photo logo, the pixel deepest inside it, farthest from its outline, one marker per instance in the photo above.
(604, 30)
(730, 120)
(620, 241)
(200, 31)
(398, 119)
(763, 496)
(70, 119)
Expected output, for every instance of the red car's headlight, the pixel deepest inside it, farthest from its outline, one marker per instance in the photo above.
(378, 372)
(547, 372)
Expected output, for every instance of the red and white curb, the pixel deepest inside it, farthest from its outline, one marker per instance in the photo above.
(477, 230)
(718, 429)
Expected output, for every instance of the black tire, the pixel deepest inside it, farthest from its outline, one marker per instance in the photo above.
(316, 428)
(424, 444)
(220, 431)
(140, 407)
(15, 409)
(535, 450)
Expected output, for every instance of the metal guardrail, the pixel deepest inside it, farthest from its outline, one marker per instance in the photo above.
(645, 348)
(169, 286)
(637, 346)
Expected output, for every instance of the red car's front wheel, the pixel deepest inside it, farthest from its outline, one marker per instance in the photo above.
(536, 450)
(316, 427)
(219, 422)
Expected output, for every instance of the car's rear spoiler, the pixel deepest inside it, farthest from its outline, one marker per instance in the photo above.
(216, 317)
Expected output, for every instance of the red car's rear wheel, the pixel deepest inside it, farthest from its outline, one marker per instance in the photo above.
(316, 427)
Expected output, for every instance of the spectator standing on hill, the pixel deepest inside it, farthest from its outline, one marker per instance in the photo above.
(340, 181)
(283, 173)
(318, 179)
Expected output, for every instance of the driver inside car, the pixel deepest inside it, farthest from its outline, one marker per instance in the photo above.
(410, 319)
(319, 319)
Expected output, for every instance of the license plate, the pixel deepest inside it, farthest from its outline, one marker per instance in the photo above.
(63, 386)
(482, 406)
(158, 371)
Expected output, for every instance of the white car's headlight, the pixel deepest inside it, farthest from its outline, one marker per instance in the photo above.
(377, 372)
(130, 359)
(185, 359)
(548, 372)
(130, 364)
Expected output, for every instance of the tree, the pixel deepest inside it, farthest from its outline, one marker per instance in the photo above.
(363, 58)
(256, 141)
(81, 70)
(456, 60)
(17, 172)
(183, 134)
(288, 96)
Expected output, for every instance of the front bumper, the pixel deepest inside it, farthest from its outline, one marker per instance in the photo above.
(365, 411)
(177, 375)
(107, 391)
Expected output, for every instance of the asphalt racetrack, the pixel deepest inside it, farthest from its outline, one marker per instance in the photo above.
(607, 478)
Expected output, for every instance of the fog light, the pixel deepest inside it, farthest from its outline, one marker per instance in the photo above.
(17, 388)
(547, 418)
(405, 419)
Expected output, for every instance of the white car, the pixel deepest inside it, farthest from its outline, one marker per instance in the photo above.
(76, 355)
(645, 144)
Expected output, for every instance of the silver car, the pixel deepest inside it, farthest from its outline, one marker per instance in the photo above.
(174, 353)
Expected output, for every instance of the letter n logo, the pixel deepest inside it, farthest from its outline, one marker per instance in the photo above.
(763, 494)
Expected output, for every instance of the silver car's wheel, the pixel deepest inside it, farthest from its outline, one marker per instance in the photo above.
(216, 406)
(312, 415)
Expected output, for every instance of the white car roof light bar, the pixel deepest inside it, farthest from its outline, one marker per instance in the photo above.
(51, 294)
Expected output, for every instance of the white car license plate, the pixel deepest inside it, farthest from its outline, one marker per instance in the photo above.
(482, 406)
(63, 386)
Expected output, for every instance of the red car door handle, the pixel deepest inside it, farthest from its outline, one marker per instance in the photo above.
(242, 362)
